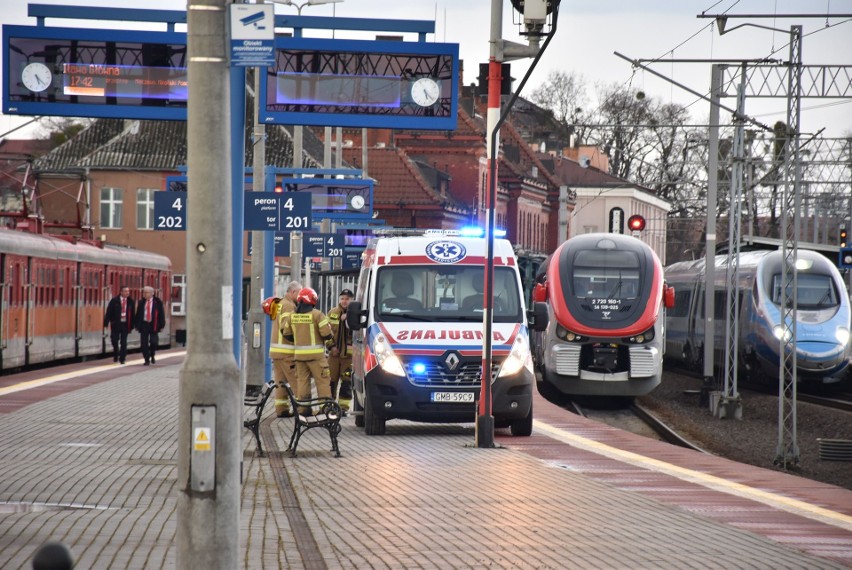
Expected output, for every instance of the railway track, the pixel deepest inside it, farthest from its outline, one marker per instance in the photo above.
(635, 419)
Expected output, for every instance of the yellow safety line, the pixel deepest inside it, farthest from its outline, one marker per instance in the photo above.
(788, 504)
(69, 375)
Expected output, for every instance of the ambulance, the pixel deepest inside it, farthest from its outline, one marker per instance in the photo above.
(417, 322)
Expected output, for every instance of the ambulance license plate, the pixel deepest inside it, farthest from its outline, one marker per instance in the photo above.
(453, 397)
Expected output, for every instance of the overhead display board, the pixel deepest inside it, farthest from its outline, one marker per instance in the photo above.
(333, 198)
(94, 73)
(356, 83)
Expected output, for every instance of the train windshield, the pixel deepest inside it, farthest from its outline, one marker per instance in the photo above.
(605, 276)
(430, 293)
(813, 291)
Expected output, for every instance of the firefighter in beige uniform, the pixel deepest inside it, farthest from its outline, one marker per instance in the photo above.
(281, 350)
(340, 354)
(308, 329)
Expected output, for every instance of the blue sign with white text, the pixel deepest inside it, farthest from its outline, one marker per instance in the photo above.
(252, 35)
(170, 211)
(322, 245)
(266, 211)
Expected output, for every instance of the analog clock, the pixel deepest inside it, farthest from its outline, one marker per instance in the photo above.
(357, 202)
(36, 77)
(425, 91)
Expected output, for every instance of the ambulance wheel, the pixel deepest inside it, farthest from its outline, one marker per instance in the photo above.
(373, 424)
(523, 427)
(359, 411)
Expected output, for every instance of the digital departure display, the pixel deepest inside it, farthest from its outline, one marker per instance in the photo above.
(94, 73)
(127, 81)
(344, 199)
(341, 90)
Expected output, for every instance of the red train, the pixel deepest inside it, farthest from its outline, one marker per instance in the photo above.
(54, 291)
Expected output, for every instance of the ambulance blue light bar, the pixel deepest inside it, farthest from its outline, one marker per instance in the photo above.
(476, 231)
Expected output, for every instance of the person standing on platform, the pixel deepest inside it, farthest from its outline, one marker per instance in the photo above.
(150, 320)
(281, 351)
(340, 354)
(309, 331)
(119, 318)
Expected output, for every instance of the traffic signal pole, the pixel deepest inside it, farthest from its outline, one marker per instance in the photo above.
(209, 406)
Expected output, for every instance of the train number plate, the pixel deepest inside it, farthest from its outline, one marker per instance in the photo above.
(453, 397)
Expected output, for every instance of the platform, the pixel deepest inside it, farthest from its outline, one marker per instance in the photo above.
(91, 461)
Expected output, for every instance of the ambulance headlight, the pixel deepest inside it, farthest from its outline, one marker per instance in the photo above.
(519, 358)
(842, 335)
(388, 361)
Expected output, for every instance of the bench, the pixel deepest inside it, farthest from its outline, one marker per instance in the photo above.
(325, 413)
(258, 402)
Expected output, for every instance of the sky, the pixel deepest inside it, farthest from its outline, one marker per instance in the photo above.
(588, 33)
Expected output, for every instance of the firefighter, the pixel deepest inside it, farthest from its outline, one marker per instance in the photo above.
(340, 354)
(281, 350)
(308, 329)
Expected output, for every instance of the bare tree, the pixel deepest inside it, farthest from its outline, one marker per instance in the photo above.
(565, 95)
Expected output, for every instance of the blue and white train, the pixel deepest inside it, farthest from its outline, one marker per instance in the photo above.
(823, 316)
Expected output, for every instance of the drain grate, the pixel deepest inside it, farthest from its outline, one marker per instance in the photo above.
(835, 449)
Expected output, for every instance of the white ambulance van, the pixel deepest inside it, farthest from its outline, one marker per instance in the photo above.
(418, 327)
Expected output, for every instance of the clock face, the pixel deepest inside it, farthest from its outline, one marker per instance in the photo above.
(357, 202)
(425, 91)
(36, 77)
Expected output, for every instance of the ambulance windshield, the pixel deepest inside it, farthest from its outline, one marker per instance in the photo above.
(445, 293)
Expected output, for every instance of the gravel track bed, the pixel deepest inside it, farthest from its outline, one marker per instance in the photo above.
(754, 439)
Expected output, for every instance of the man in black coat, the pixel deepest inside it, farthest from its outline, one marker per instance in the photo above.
(150, 319)
(119, 318)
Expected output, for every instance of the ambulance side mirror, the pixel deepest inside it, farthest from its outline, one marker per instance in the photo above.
(353, 315)
(538, 317)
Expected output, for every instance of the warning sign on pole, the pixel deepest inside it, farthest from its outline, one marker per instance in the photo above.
(202, 439)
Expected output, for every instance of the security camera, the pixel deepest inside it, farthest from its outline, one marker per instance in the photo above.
(535, 13)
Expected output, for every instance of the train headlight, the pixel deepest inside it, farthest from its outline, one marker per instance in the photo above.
(519, 357)
(782, 333)
(389, 361)
(842, 335)
(646, 336)
(565, 334)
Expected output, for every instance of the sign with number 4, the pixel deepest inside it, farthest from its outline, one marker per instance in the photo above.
(170, 211)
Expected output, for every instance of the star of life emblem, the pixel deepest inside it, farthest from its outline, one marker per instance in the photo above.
(445, 251)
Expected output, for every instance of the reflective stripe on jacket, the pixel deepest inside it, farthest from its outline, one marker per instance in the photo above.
(280, 347)
(308, 331)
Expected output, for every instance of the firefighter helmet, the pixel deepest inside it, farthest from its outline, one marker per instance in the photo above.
(307, 296)
(271, 306)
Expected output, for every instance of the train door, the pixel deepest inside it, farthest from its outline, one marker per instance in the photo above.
(65, 332)
(13, 338)
(164, 290)
(696, 329)
(90, 313)
(41, 319)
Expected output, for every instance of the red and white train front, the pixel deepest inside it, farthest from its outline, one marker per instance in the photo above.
(602, 334)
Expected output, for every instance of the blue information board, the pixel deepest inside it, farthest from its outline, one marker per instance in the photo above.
(267, 211)
(281, 242)
(352, 260)
(358, 83)
(333, 198)
(170, 211)
(322, 245)
(94, 73)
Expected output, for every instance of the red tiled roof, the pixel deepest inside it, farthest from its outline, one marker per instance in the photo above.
(398, 180)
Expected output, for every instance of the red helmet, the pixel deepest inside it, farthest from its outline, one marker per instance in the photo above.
(271, 306)
(307, 296)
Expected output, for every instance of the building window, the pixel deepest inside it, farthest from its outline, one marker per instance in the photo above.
(178, 295)
(111, 207)
(145, 208)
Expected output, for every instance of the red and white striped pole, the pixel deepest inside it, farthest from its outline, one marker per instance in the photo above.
(484, 418)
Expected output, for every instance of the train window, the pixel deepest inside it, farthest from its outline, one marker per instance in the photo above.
(682, 302)
(813, 291)
(721, 301)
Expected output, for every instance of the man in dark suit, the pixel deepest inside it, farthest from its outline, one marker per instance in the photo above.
(119, 318)
(150, 319)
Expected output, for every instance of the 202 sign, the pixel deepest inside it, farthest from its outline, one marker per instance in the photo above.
(170, 211)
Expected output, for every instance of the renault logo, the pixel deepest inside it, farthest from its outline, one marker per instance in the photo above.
(452, 361)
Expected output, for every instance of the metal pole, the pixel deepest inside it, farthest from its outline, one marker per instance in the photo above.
(257, 321)
(484, 419)
(296, 237)
(710, 248)
(209, 451)
(238, 176)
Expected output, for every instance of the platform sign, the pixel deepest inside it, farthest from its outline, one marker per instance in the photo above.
(322, 245)
(352, 260)
(335, 199)
(267, 211)
(170, 211)
(356, 83)
(281, 244)
(252, 35)
(94, 73)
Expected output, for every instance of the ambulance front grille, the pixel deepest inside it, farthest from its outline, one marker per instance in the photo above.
(436, 374)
